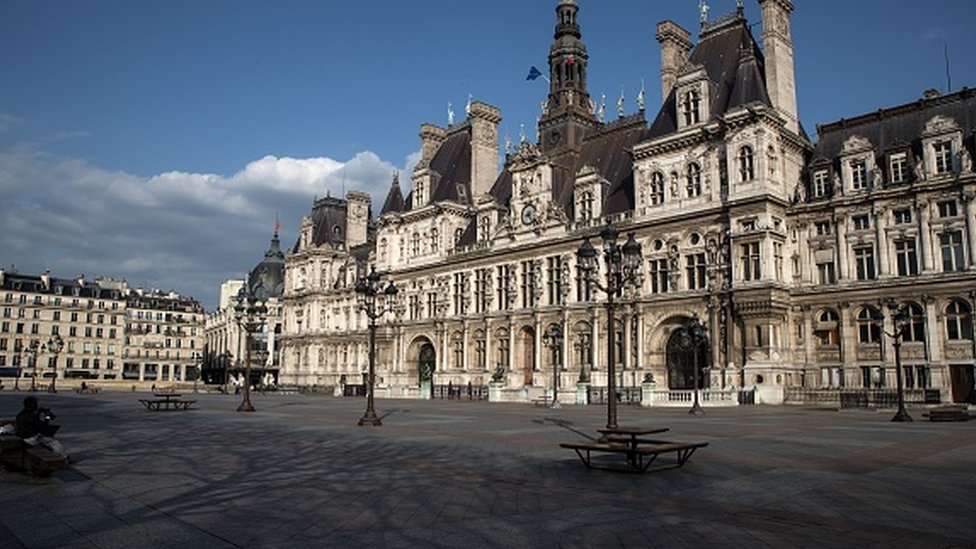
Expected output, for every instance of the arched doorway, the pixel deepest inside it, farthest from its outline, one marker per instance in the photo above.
(681, 361)
(527, 337)
(423, 355)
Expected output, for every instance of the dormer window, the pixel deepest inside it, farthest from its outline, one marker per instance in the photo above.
(747, 170)
(693, 180)
(586, 206)
(898, 168)
(943, 156)
(484, 228)
(691, 107)
(859, 174)
(821, 183)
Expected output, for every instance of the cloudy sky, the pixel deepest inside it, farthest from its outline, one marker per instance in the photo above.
(156, 141)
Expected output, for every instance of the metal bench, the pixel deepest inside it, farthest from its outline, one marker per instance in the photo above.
(164, 404)
(639, 458)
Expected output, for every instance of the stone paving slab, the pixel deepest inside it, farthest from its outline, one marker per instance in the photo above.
(300, 473)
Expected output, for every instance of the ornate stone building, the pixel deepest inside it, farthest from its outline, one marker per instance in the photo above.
(784, 249)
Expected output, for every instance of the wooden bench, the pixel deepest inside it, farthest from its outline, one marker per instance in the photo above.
(638, 458)
(87, 390)
(157, 404)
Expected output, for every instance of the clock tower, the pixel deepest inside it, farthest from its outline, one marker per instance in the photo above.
(568, 112)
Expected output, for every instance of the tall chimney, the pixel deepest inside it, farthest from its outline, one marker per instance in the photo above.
(780, 74)
(484, 121)
(431, 137)
(675, 44)
(357, 217)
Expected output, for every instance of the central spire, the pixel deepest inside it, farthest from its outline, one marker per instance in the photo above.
(568, 111)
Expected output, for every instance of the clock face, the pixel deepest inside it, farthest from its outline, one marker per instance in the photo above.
(528, 214)
(555, 137)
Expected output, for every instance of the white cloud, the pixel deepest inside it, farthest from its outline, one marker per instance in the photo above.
(173, 231)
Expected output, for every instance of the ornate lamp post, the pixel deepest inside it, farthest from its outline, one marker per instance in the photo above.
(623, 264)
(697, 333)
(900, 320)
(54, 345)
(367, 290)
(249, 312)
(553, 338)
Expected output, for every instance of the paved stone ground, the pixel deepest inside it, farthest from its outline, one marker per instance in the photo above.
(300, 473)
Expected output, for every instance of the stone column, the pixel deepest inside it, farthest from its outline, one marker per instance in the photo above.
(969, 207)
(925, 229)
(880, 223)
(842, 266)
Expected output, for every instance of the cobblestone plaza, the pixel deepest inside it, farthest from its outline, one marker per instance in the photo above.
(300, 473)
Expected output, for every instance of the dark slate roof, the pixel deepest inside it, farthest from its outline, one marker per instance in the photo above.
(733, 61)
(453, 164)
(327, 214)
(899, 126)
(394, 199)
(58, 286)
(267, 279)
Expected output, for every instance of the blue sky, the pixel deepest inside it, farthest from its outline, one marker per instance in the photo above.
(156, 140)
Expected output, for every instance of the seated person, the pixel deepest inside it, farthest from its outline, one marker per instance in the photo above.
(32, 426)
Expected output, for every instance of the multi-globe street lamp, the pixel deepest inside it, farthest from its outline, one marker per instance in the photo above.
(899, 317)
(553, 338)
(367, 291)
(54, 345)
(697, 333)
(249, 312)
(623, 269)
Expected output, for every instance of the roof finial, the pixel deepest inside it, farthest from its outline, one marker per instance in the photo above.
(640, 97)
(450, 114)
(467, 107)
(620, 103)
(703, 11)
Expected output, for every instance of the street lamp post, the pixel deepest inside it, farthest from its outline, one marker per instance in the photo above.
(623, 264)
(553, 338)
(900, 320)
(367, 290)
(249, 311)
(55, 345)
(698, 333)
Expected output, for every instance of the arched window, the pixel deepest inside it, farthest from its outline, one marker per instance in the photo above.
(915, 326)
(747, 170)
(415, 244)
(657, 188)
(826, 330)
(693, 183)
(959, 321)
(868, 330)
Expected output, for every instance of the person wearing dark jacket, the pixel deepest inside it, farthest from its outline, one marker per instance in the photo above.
(32, 426)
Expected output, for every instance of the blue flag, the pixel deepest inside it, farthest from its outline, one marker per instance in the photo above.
(533, 74)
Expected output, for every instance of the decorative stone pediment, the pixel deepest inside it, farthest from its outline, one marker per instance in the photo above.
(856, 144)
(940, 125)
(526, 157)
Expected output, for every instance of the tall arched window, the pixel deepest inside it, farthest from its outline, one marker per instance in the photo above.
(868, 330)
(693, 180)
(657, 188)
(959, 321)
(747, 170)
(826, 329)
(415, 244)
(915, 328)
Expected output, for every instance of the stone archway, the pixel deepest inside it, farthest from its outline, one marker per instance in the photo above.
(681, 361)
(423, 356)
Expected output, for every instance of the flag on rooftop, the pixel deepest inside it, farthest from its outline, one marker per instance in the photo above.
(533, 73)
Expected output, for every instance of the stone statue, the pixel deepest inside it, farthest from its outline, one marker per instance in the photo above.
(450, 114)
(498, 375)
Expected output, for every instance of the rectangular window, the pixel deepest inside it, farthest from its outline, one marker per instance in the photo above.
(460, 301)
(751, 262)
(660, 276)
(697, 272)
(952, 252)
(822, 228)
(861, 222)
(943, 157)
(898, 168)
(948, 208)
(864, 262)
(778, 260)
(826, 273)
(502, 289)
(482, 290)
(906, 257)
(821, 183)
(903, 216)
(554, 280)
(859, 174)
(528, 284)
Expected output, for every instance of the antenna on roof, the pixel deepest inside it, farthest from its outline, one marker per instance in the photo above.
(343, 182)
(948, 74)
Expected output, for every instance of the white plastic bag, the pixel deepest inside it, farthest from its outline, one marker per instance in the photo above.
(8, 429)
